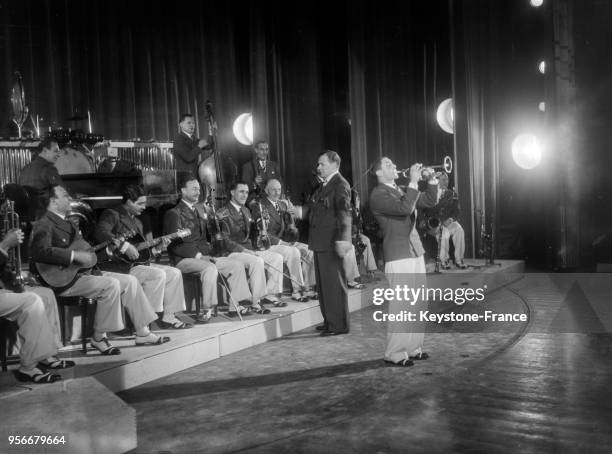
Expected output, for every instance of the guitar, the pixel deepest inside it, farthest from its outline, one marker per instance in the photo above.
(143, 248)
(61, 277)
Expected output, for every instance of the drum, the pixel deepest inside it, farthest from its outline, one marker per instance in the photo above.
(74, 161)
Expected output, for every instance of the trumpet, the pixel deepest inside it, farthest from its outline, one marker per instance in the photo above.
(12, 276)
(428, 170)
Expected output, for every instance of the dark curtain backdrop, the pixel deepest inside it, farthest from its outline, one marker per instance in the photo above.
(398, 74)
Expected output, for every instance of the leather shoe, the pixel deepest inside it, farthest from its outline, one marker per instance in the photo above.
(327, 333)
(321, 328)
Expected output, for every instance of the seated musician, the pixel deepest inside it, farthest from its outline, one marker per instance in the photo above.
(351, 261)
(162, 285)
(41, 172)
(192, 254)
(236, 220)
(57, 241)
(38, 343)
(447, 211)
(260, 169)
(283, 236)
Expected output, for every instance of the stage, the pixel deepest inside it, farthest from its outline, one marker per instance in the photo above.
(271, 384)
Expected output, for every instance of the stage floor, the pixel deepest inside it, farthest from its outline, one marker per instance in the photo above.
(539, 386)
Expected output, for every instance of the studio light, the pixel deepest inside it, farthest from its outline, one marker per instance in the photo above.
(536, 3)
(542, 67)
(526, 151)
(446, 116)
(243, 129)
(542, 106)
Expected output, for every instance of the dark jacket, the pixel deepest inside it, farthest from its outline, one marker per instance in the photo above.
(237, 224)
(330, 215)
(51, 236)
(39, 174)
(112, 223)
(281, 225)
(182, 217)
(252, 168)
(186, 153)
(394, 210)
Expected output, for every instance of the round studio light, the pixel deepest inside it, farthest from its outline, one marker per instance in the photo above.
(446, 116)
(526, 151)
(536, 3)
(542, 106)
(542, 67)
(243, 129)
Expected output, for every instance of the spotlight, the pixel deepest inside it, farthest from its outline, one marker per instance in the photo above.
(243, 129)
(536, 3)
(526, 151)
(542, 106)
(446, 116)
(542, 67)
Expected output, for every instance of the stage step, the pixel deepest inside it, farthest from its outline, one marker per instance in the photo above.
(88, 415)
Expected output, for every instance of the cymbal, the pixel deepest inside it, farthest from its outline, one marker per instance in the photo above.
(76, 118)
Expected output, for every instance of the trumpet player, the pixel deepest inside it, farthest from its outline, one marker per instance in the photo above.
(395, 212)
(283, 239)
(39, 344)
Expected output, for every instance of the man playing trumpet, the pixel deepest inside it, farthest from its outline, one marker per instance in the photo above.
(395, 212)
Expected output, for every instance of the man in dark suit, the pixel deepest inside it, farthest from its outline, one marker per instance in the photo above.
(237, 222)
(395, 212)
(188, 149)
(330, 240)
(41, 172)
(260, 169)
(193, 254)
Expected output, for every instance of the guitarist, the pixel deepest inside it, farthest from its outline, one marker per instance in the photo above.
(52, 237)
(162, 285)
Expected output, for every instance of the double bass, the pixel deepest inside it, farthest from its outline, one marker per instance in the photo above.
(217, 172)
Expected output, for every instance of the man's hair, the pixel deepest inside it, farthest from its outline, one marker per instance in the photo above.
(331, 156)
(132, 192)
(259, 142)
(46, 143)
(376, 165)
(46, 194)
(235, 184)
(185, 115)
(270, 181)
(183, 178)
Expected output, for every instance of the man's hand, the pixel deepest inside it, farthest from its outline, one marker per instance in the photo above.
(202, 143)
(342, 248)
(131, 252)
(11, 239)
(415, 173)
(258, 179)
(84, 258)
